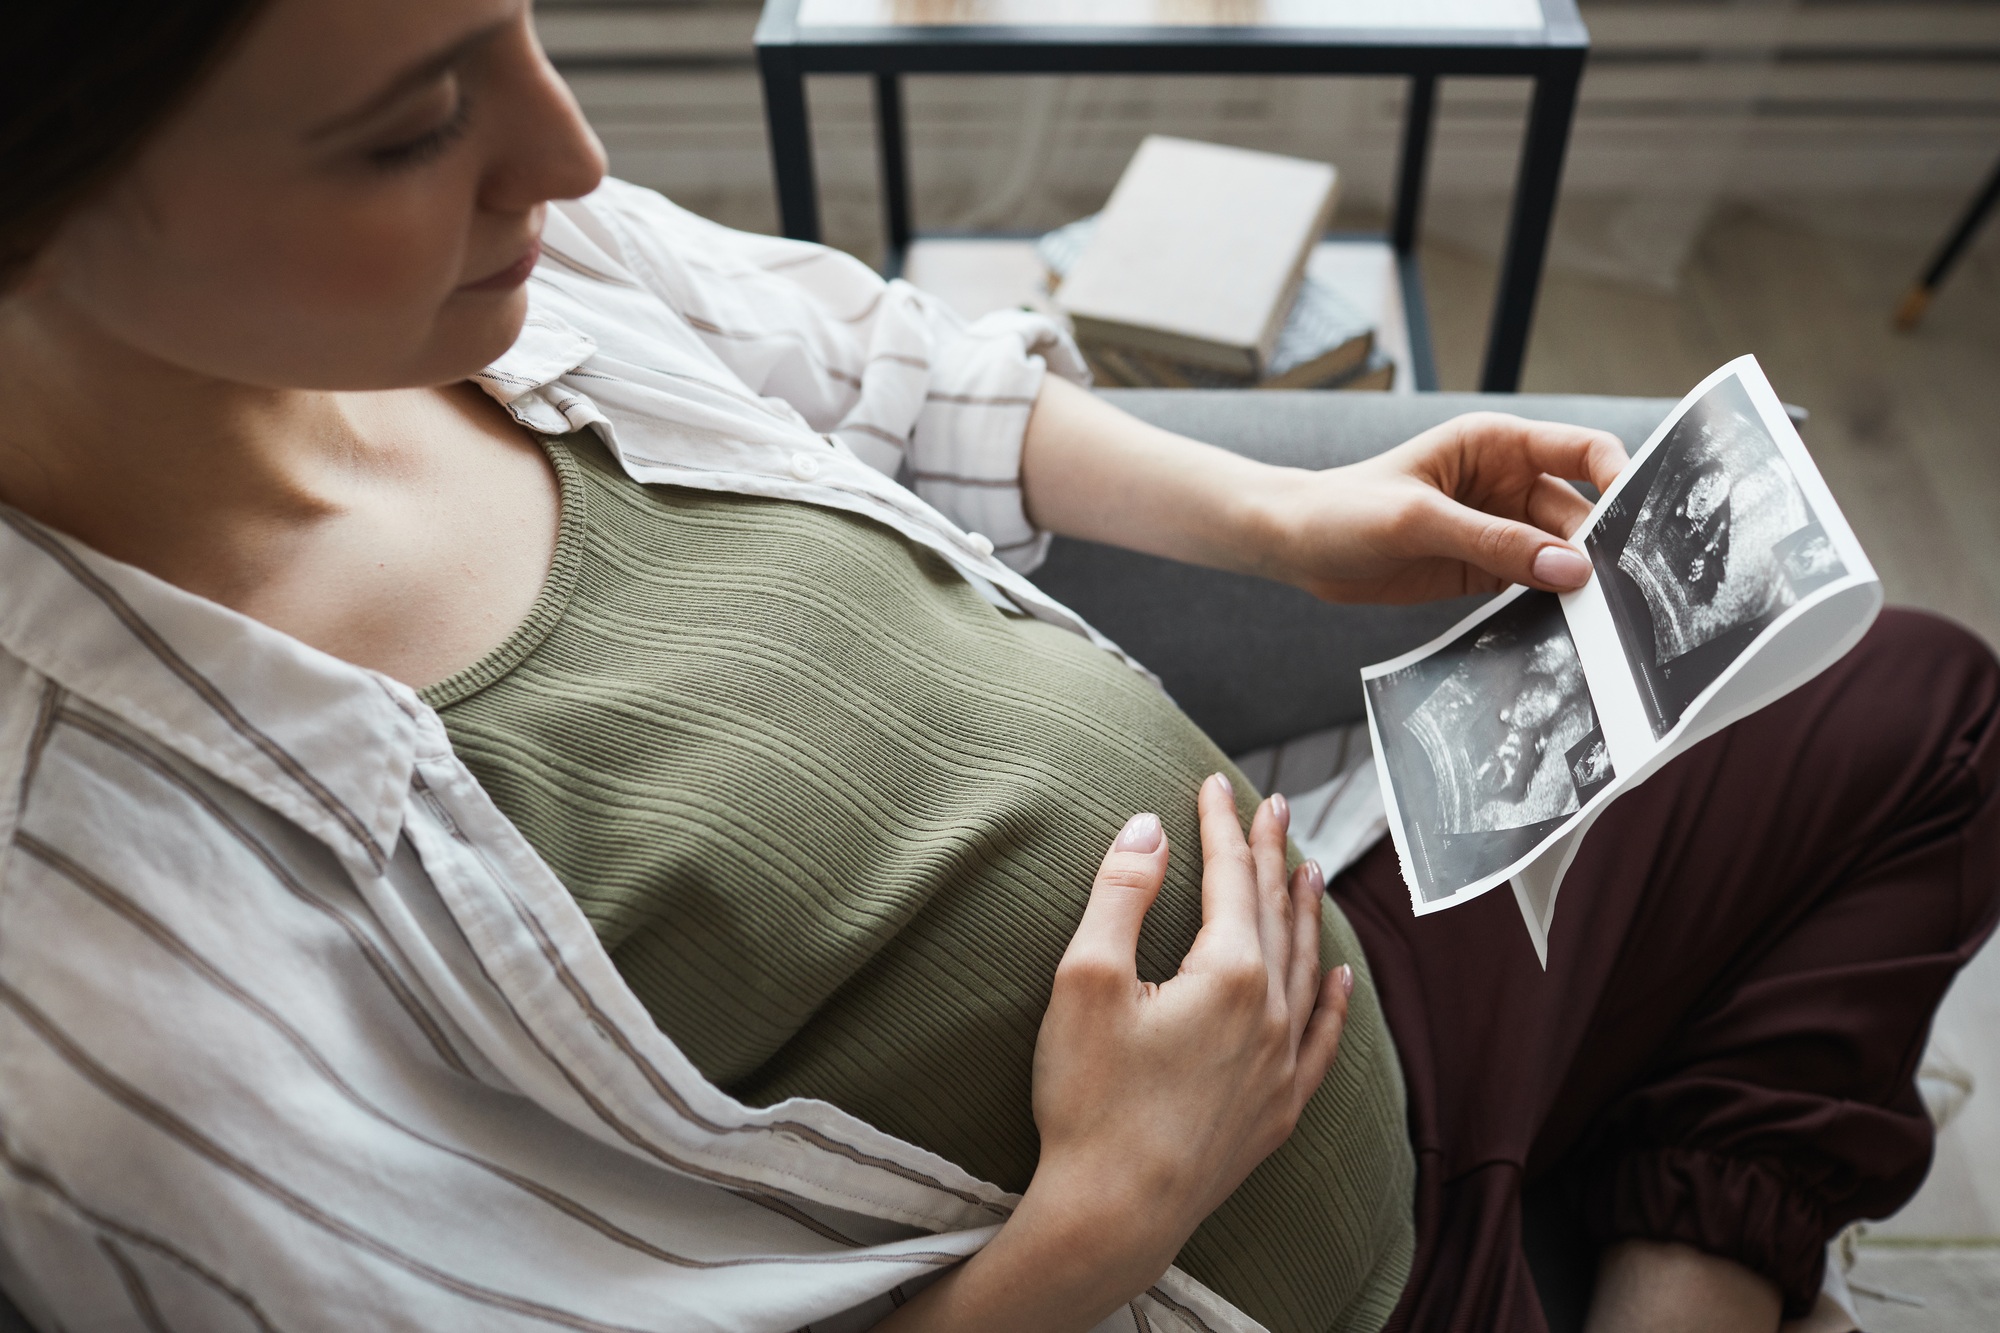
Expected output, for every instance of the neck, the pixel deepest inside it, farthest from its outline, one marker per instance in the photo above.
(200, 481)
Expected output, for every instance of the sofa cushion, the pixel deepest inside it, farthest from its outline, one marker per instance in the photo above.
(1251, 661)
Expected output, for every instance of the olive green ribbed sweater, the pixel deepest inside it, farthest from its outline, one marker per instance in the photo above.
(835, 818)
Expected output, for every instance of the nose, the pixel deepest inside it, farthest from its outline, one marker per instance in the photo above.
(545, 148)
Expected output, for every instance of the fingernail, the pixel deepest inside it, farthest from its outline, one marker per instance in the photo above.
(1316, 876)
(1222, 779)
(1281, 809)
(1346, 979)
(1140, 834)
(1561, 567)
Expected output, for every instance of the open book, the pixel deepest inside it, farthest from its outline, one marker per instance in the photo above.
(1725, 576)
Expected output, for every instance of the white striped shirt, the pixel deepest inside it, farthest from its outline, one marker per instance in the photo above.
(297, 1032)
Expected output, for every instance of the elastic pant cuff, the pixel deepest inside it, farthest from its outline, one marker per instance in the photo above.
(1726, 1206)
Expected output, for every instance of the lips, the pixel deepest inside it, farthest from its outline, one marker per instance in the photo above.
(509, 277)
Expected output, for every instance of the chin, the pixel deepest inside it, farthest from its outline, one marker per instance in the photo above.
(472, 340)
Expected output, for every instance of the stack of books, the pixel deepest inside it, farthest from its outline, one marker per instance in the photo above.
(1194, 276)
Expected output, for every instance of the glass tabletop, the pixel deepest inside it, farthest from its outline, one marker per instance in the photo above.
(1399, 15)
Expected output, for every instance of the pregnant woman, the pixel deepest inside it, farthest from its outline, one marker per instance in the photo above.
(534, 792)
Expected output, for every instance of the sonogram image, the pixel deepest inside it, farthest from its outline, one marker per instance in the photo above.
(1709, 543)
(1491, 742)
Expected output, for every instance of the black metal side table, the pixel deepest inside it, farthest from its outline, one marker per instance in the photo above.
(891, 38)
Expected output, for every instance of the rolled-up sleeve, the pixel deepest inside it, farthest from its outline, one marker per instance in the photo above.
(887, 370)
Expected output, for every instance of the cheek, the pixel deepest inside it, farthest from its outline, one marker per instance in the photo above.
(385, 261)
(334, 287)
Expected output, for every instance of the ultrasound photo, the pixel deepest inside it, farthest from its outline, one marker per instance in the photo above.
(1710, 542)
(1490, 743)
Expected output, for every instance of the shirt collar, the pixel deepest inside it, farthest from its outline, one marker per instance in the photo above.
(524, 379)
(547, 349)
(329, 745)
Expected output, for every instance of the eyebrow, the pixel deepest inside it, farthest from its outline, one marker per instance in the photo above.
(403, 84)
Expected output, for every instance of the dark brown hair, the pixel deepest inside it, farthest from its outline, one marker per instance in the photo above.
(82, 82)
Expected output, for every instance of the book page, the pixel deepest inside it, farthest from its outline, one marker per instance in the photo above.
(1724, 577)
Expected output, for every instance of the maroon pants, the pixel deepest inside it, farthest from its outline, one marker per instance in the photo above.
(1745, 960)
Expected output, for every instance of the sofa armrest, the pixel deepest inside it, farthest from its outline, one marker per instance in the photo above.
(1251, 661)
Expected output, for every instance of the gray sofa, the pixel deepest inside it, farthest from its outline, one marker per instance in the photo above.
(1255, 663)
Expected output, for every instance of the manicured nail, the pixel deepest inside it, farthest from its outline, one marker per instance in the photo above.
(1140, 834)
(1561, 567)
(1281, 810)
(1316, 877)
(1222, 780)
(1346, 979)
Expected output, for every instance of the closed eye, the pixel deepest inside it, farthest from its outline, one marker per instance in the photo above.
(427, 146)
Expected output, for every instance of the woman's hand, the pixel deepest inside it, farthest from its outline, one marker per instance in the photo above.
(1469, 506)
(1155, 1101)
(1160, 1099)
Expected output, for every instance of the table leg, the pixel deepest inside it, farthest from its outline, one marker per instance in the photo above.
(892, 143)
(1417, 320)
(1535, 190)
(791, 143)
(1418, 115)
(1961, 236)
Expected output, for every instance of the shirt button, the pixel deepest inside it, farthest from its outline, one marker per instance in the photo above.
(980, 542)
(805, 467)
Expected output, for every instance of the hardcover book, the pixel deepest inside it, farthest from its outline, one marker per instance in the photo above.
(1325, 342)
(1199, 254)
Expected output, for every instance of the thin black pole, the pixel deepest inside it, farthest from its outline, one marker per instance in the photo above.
(791, 143)
(1948, 254)
(1418, 115)
(1549, 116)
(895, 171)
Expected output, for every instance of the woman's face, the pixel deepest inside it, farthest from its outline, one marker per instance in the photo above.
(351, 201)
